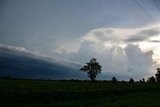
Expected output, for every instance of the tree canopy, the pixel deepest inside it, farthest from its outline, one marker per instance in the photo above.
(131, 80)
(158, 75)
(92, 68)
(151, 80)
(114, 79)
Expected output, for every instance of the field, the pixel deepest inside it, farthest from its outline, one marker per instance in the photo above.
(42, 93)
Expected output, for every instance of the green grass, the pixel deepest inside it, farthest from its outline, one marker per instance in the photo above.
(36, 93)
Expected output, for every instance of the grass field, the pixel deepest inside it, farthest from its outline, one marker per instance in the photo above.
(39, 93)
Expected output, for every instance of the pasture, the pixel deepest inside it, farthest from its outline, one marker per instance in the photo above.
(47, 93)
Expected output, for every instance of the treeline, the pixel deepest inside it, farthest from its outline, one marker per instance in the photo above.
(113, 80)
(151, 79)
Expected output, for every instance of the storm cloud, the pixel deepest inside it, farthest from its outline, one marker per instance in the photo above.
(122, 35)
(131, 60)
(116, 32)
(116, 50)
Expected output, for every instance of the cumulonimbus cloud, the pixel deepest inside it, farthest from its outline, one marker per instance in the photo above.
(130, 61)
(124, 35)
(123, 52)
(118, 51)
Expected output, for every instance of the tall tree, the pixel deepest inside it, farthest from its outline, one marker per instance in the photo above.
(158, 75)
(92, 68)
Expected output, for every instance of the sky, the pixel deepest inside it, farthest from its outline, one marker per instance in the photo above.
(125, 41)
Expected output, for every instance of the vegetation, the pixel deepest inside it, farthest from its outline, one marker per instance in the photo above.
(158, 75)
(92, 68)
(74, 93)
(77, 93)
(114, 79)
(151, 80)
(131, 80)
(142, 80)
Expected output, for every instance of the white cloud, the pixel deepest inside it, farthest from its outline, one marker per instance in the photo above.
(22, 50)
(121, 51)
(13, 47)
(130, 61)
(138, 61)
(121, 35)
(147, 37)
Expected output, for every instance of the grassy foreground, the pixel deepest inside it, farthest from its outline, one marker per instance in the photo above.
(36, 93)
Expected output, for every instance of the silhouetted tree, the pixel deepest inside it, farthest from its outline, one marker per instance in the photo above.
(151, 80)
(92, 68)
(142, 80)
(158, 75)
(114, 79)
(131, 80)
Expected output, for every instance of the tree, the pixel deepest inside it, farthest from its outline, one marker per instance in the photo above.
(142, 80)
(158, 75)
(114, 79)
(131, 80)
(92, 68)
(151, 80)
